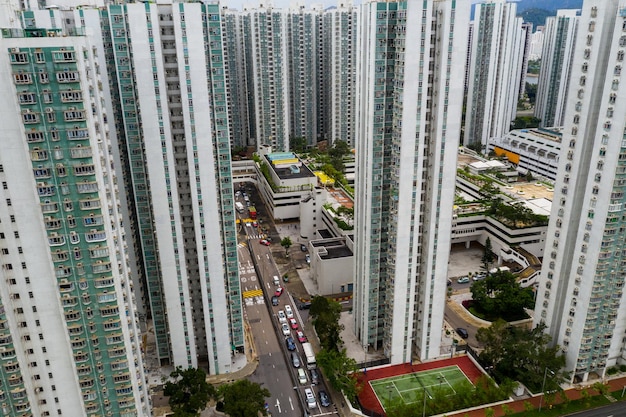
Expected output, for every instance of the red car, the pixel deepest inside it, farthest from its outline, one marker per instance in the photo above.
(301, 337)
(293, 323)
(278, 292)
(264, 242)
(255, 224)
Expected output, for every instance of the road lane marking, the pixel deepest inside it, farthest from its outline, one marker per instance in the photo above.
(291, 404)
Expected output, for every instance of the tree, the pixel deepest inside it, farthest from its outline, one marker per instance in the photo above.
(189, 392)
(488, 255)
(243, 398)
(340, 370)
(286, 243)
(524, 355)
(501, 296)
(297, 144)
(325, 314)
(531, 92)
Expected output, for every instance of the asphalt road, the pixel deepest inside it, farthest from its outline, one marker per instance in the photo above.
(455, 321)
(611, 410)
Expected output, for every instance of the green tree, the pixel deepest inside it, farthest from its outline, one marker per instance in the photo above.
(243, 398)
(325, 314)
(298, 145)
(501, 296)
(189, 392)
(524, 355)
(340, 370)
(286, 243)
(488, 255)
(531, 92)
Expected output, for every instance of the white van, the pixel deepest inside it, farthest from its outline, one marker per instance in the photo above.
(302, 376)
(288, 311)
(276, 280)
(310, 398)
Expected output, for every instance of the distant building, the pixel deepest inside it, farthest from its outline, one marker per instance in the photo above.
(497, 58)
(556, 65)
(531, 150)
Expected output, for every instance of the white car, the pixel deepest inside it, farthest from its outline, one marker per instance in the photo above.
(286, 329)
(281, 317)
(288, 311)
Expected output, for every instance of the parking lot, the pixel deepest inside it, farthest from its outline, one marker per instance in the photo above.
(464, 260)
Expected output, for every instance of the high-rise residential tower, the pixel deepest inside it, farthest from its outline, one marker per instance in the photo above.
(556, 63)
(581, 292)
(340, 30)
(495, 71)
(168, 64)
(410, 60)
(69, 338)
(267, 58)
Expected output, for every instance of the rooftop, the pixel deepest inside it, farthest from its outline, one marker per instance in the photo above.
(287, 165)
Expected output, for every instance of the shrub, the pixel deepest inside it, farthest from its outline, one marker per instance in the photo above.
(622, 368)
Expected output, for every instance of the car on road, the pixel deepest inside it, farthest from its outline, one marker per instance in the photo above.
(278, 292)
(315, 377)
(301, 337)
(302, 376)
(286, 330)
(281, 317)
(255, 224)
(304, 306)
(463, 280)
(293, 323)
(288, 311)
(303, 247)
(324, 399)
(307, 257)
(291, 345)
(310, 398)
(264, 242)
(274, 300)
(295, 360)
(462, 332)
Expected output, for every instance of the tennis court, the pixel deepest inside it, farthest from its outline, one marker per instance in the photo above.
(409, 387)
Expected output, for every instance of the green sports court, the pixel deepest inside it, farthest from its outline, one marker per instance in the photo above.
(409, 387)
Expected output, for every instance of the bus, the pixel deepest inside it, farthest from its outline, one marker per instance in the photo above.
(309, 355)
(239, 207)
(252, 211)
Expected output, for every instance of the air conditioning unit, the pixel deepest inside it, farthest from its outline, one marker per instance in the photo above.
(15, 49)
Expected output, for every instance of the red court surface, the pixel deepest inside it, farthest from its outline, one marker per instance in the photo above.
(368, 398)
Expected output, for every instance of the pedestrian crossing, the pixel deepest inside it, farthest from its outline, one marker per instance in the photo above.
(252, 293)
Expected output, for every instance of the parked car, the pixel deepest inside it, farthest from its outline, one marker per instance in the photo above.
(479, 277)
(463, 280)
(303, 247)
(301, 337)
(324, 399)
(286, 330)
(255, 224)
(264, 242)
(291, 345)
(307, 257)
(278, 292)
(304, 306)
(462, 332)
(274, 300)
(288, 311)
(293, 323)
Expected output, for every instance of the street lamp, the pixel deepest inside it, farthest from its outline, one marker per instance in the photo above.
(365, 347)
(543, 386)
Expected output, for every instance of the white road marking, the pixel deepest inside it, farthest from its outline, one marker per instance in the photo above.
(291, 404)
(278, 405)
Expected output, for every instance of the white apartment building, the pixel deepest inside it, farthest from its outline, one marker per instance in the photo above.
(581, 295)
(556, 64)
(69, 336)
(410, 60)
(495, 71)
